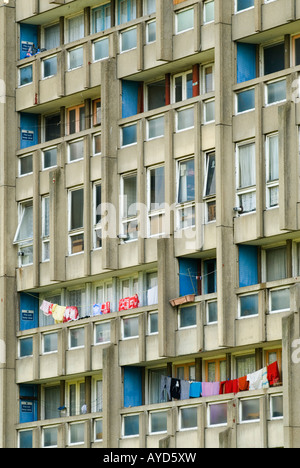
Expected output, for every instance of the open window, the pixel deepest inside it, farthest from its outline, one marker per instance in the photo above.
(24, 234)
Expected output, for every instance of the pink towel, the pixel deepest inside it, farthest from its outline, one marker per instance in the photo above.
(210, 388)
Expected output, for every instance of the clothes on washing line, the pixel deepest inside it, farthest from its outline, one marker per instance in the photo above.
(229, 386)
(195, 389)
(243, 384)
(46, 307)
(273, 375)
(175, 389)
(210, 388)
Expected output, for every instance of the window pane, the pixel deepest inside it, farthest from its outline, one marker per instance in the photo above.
(131, 425)
(129, 135)
(209, 11)
(52, 127)
(50, 66)
(186, 217)
(97, 144)
(185, 20)
(188, 418)
(243, 4)
(218, 414)
(280, 300)
(76, 150)
(52, 36)
(208, 79)
(150, 7)
(185, 118)
(186, 189)
(178, 89)
(187, 317)
(130, 196)
(50, 157)
(52, 402)
(273, 169)
(26, 347)
(76, 337)
(210, 175)
(153, 322)
(212, 312)
(50, 342)
(76, 28)
(250, 410)
(210, 276)
(277, 406)
(76, 58)
(209, 111)
(156, 94)
(26, 227)
(76, 209)
(101, 49)
(248, 305)
(130, 327)
(245, 365)
(50, 436)
(76, 433)
(151, 31)
(276, 264)
(246, 100)
(25, 439)
(274, 58)
(46, 216)
(297, 51)
(102, 333)
(25, 75)
(156, 127)
(129, 39)
(157, 188)
(247, 165)
(276, 92)
(158, 422)
(26, 165)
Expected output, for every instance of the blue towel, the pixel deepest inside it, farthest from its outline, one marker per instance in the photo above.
(195, 389)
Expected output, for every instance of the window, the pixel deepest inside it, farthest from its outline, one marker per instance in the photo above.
(97, 217)
(50, 436)
(245, 100)
(156, 200)
(184, 20)
(96, 112)
(25, 347)
(49, 66)
(187, 317)
(102, 333)
(97, 395)
(188, 418)
(209, 12)
(276, 406)
(215, 370)
(101, 49)
(49, 342)
(104, 293)
(156, 127)
(208, 78)
(76, 433)
(274, 58)
(149, 7)
(75, 397)
(249, 410)
(75, 28)
(25, 74)
(152, 288)
(25, 165)
(129, 206)
(183, 86)
(97, 144)
(296, 50)
(156, 94)
(186, 371)
(24, 233)
(49, 157)
(275, 92)
(25, 439)
(129, 287)
(52, 36)
(209, 111)
(76, 338)
(217, 414)
(52, 127)
(126, 10)
(245, 365)
(244, 4)
(248, 305)
(209, 282)
(128, 39)
(76, 150)
(76, 221)
(101, 18)
(156, 395)
(185, 119)
(276, 263)
(76, 119)
(45, 228)
(246, 177)
(279, 300)
(153, 323)
(75, 58)
(98, 428)
(129, 135)
(76, 297)
(151, 31)
(130, 425)
(130, 327)
(272, 171)
(51, 401)
(212, 312)
(186, 193)
(158, 422)
(210, 186)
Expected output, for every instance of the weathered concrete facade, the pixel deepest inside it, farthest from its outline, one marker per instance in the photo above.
(194, 104)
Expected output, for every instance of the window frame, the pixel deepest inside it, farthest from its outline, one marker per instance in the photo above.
(27, 242)
(177, 13)
(20, 164)
(77, 110)
(72, 232)
(127, 220)
(210, 198)
(271, 184)
(43, 67)
(45, 236)
(251, 189)
(181, 206)
(273, 103)
(151, 213)
(184, 76)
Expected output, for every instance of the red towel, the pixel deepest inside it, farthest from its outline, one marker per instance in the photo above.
(243, 384)
(273, 373)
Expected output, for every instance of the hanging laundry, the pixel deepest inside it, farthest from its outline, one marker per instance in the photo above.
(175, 389)
(58, 313)
(243, 384)
(229, 386)
(152, 295)
(255, 379)
(165, 386)
(195, 389)
(105, 308)
(129, 303)
(97, 309)
(185, 390)
(210, 388)
(71, 313)
(273, 373)
(46, 307)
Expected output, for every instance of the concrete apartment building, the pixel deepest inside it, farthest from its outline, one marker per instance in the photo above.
(149, 150)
